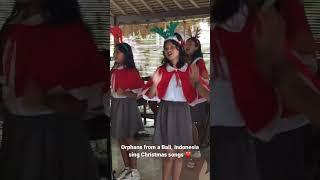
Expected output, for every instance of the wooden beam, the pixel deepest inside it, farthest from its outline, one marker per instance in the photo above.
(113, 20)
(132, 6)
(178, 4)
(194, 3)
(118, 7)
(165, 16)
(147, 6)
(162, 5)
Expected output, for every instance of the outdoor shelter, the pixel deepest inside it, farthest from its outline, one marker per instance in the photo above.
(136, 18)
(148, 11)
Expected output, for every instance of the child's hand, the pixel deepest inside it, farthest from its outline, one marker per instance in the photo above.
(66, 104)
(194, 74)
(269, 38)
(120, 92)
(269, 35)
(108, 93)
(156, 78)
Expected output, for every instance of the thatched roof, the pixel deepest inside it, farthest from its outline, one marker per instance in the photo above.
(148, 11)
(144, 29)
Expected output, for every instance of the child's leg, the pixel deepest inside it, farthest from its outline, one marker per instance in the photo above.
(124, 153)
(203, 124)
(195, 134)
(202, 131)
(167, 166)
(132, 160)
(177, 167)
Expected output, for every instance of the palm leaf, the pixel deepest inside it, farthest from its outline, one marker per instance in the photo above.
(171, 28)
(159, 31)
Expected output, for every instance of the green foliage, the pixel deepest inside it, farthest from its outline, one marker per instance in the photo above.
(169, 32)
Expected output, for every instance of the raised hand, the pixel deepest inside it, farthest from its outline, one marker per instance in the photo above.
(156, 78)
(269, 38)
(270, 33)
(194, 74)
(120, 92)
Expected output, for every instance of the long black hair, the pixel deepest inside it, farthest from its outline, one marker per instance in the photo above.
(181, 61)
(55, 11)
(198, 53)
(127, 51)
(224, 9)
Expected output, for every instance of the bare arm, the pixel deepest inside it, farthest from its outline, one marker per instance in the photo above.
(202, 91)
(152, 91)
(65, 103)
(128, 94)
(156, 78)
(295, 92)
(194, 78)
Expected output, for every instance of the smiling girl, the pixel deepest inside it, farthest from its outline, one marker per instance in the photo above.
(171, 86)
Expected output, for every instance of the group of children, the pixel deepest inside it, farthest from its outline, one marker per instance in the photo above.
(173, 85)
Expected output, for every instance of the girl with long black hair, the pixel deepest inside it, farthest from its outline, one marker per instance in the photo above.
(52, 75)
(126, 85)
(200, 112)
(171, 87)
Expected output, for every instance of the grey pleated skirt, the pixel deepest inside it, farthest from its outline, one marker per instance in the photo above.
(47, 147)
(173, 124)
(125, 118)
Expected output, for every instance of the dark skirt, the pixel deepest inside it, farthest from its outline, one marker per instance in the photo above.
(125, 118)
(200, 113)
(48, 147)
(200, 117)
(237, 155)
(173, 124)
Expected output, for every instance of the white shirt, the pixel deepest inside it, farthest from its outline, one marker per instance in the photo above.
(224, 110)
(174, 91)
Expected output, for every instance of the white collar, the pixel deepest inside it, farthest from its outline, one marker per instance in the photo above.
(196, 60)
(120, 67)
(169, 68)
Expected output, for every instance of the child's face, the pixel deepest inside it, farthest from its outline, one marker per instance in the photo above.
(171, 52)
(190, 47)
(119, 56)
